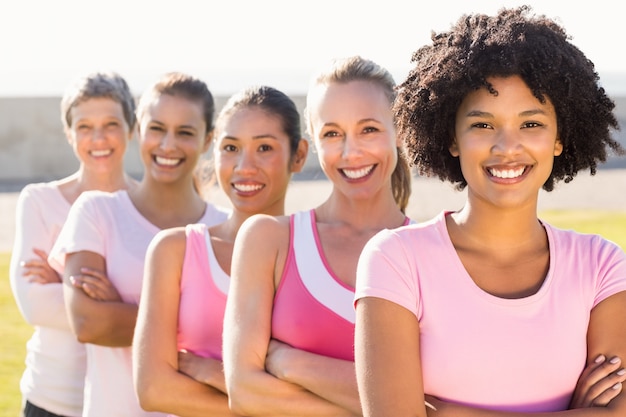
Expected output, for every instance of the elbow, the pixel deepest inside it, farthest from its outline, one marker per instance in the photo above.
(150, 391)
(149, 397)
(83, 332)
(240, 400)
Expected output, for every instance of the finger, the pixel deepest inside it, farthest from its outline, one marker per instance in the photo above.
(93, 272)
(41, 253)
(32, 271)
(76, 281)
(36, 279)
(90, 291)
(600, 370)
(603, 390)
(32, 263)
(605, 398)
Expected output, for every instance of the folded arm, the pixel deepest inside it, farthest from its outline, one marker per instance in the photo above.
(166, 380)
(106, 323)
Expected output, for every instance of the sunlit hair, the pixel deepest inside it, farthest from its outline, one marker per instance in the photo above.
(513, 42)
(98, 85)
(180, 85)
(273, 102)
(356, 68)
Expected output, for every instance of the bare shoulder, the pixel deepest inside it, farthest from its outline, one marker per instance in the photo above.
(169, 242)
(264, 225)
(264, 235)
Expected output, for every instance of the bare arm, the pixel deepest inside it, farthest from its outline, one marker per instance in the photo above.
(330, 378)
(106, 323)
(387, 359)
(247, 328)
(158, 381)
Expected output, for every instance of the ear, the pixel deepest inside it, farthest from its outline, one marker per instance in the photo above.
(558, 147)
(68, 136)
(299, 158)
(398, 142)
(454, 148)
(207, 141)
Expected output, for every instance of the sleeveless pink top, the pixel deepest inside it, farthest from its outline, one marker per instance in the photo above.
(203, 291)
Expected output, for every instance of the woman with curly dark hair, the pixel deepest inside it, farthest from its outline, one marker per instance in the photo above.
(488, 309)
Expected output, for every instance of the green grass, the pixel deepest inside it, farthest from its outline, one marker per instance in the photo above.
(15, 332)
(610, 224)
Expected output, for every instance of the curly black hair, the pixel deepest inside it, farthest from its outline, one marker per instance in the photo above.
(513, 42)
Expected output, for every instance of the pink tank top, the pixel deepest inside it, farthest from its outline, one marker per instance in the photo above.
(203, 291)
(312, 307)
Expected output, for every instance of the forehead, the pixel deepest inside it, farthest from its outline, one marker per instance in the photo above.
(512, 94)
(250, 121)
(170, 107)
(355, 99)
(96, 106)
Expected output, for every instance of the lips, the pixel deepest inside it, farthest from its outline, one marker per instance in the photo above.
(355, 174)
(508, 173)
(170, 162)
(100, 153)
(247, 187)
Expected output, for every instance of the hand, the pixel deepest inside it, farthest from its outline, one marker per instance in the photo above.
(276, 354)
(207, 371)
(599, 383)
(39, 270)
(189, 364)
(96, 285)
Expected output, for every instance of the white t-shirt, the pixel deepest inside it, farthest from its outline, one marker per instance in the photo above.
(109, 224)
(55, 360)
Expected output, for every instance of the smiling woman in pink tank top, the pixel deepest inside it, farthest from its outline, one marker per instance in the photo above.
(289, 323)
(178, 338)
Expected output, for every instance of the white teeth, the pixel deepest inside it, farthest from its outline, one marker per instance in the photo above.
(506, 173)
(247, 188)
(357, 173)
(166, 161)
(104, 152)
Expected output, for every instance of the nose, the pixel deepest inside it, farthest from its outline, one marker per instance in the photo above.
(507, 142)
(98, 133)
(351, 147)
(246, 162)
(168, 141)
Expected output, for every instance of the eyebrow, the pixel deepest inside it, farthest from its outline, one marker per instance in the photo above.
(154, 121)
(255, 137)
(360, 122)
(525, 113)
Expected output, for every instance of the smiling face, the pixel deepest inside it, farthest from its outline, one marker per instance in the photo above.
(172, 136)
(253, 160)
(506, 143)
(353, 131)
(98, 134)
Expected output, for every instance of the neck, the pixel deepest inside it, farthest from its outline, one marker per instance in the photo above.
(378, 212)
(498, 227)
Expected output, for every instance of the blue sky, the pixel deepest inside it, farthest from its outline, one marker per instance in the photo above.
(233, 43)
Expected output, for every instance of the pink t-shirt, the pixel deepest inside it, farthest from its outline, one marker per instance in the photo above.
(480, 350)
(109, 224)
(203, 291)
